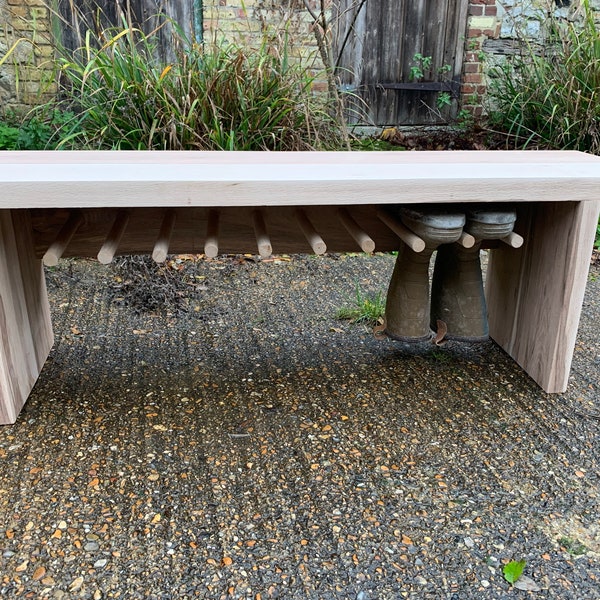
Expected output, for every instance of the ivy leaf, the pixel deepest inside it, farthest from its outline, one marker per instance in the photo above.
(513, 570)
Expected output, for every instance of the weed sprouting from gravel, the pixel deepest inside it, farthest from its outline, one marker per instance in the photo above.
(368, 309)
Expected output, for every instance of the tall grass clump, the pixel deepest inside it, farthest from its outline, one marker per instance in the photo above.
(210, 97)
(550, 96)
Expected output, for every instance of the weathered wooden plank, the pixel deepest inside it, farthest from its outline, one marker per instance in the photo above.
(73, 19)
(381, 49)
(535, 293)
(25, 327)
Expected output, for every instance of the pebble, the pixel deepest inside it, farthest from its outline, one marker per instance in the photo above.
(275, 523)
(91, 546)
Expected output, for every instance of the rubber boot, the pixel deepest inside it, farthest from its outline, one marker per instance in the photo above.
(457, 295)
(407, 307)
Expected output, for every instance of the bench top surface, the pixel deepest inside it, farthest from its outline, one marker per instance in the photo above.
(46, 179)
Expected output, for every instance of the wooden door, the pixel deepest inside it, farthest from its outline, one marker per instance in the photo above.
(400, 60)
(78, 16)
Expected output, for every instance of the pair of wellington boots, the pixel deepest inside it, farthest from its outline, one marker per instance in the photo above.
(457, 304)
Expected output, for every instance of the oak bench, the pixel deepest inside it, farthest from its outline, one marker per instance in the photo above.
(99, 203)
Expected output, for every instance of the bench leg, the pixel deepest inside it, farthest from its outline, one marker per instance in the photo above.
(535, 293)
(25, 327)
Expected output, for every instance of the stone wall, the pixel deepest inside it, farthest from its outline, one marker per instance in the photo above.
(519, 20)
(26, 75)
(493, 26)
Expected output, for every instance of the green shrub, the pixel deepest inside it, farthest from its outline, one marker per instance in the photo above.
(38, 130)
(208, 98)
(550, 96)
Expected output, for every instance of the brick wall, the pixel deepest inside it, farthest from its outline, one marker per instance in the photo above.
(246, 21)
(28, 71)
(483, 24)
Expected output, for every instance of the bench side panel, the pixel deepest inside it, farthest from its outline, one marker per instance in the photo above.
(535, 294)
(25, 327)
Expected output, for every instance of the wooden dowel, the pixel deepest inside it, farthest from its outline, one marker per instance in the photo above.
(466, 240)
(413, 241)
(113, 239)
(64, 237)
(514, 240)
(161, 247)
(360, 237)
(262, 237)
(310, 233)
(211, 244)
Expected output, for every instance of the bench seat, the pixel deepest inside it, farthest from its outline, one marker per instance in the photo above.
(102, 203)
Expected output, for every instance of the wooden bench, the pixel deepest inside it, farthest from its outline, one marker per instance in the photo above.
(64, 204)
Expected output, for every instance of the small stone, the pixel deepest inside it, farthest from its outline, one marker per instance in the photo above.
(421, 580)
(485, 583)
(91, 546)
(100, 563)
(469, 543)
(22, 567)
(76, 584)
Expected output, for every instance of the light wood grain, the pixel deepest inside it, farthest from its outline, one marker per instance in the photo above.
(263, 241)
(535, 293)
(211, 245)
(115, 235)
(514, 240)
(161, 246)
(63, 238)
(223, 202)
(170, 179)
(361, 237)
(413, 241)
(25, 327)
(314, 240)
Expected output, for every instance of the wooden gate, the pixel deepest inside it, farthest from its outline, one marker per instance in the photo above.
(78, 16)
(401, 59)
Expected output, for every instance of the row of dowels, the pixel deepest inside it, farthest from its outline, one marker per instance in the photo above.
(260, 224)
(109, 248)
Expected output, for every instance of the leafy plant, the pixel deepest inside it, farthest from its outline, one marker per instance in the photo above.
(572, 546)
(218, 97)
(36, 130)
(422, 69)
(364, 309)
(550, 96)
(513, 570)
(9, 137)
(444, 99)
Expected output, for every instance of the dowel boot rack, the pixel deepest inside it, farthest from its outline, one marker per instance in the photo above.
(213, 231)
(102, 204)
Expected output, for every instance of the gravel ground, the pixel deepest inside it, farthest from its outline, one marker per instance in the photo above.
(240, 442)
